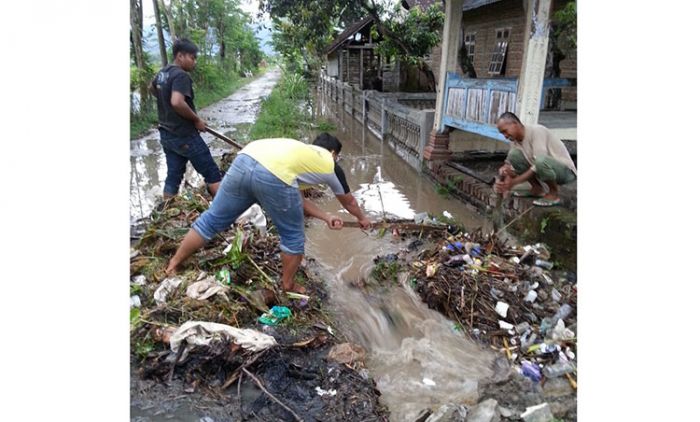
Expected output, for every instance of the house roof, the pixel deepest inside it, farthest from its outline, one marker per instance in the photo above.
(473, 4)
(347, 33)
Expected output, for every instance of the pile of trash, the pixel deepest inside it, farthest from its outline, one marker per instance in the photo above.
(223, 321)
(509, 298)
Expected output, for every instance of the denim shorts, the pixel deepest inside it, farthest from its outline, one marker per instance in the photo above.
(247, 182)
(180, 150)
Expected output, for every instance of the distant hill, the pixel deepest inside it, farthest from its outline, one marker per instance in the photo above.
(150, 40)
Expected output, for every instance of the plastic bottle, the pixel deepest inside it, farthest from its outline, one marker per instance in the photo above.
(544, 264)
(531, 371)
(558, 369)
(563, 312)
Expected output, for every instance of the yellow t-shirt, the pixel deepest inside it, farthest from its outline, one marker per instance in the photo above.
(296, 163)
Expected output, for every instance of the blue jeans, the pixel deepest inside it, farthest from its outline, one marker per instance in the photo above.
(180, 150)
(247, 182)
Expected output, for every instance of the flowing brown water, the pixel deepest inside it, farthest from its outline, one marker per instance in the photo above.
(417, 358)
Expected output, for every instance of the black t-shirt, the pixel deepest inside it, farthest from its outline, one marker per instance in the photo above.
(340, 174)
(173, 78)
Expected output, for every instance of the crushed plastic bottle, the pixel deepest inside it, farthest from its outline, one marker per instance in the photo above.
(558, 369)
(556, 296)
(545, 325)
(530, 370)
(563, 312)
(523, 327)
(224, 276)
(544, 264)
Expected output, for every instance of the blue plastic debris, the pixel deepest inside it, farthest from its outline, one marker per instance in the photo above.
(531, 371)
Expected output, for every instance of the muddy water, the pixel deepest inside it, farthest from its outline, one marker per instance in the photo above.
(232, 116)
(415, 355)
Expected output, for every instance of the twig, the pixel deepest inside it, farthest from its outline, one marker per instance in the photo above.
(180, 351)
(514, 220)
(381, 201)
(267, 277)
(240, 403)
(237, 372)
(260, 385)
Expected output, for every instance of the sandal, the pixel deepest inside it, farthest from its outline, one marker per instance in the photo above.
(544, 202)
(526, 194)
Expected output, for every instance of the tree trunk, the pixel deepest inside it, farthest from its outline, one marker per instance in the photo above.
(161, 40)
(169, 17)
(137, 43)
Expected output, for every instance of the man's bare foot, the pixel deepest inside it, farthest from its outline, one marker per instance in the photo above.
(295, 288)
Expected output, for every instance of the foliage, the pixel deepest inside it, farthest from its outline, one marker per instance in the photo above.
(386, 271)
(135, 318)
(564, 28)
(235, 256)
(450, 186)
(281, 113)
(410, 36)
(305, 29)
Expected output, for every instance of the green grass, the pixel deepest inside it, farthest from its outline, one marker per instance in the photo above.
(279, 117)
(282, 113)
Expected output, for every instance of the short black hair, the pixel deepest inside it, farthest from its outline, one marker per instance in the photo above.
(329, 142)
(509, 117)
(183, 45)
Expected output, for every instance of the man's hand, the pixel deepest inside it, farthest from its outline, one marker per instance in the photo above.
(200, 124)
(503, 186)
(506, 170)
(365, 223)
(334, 222)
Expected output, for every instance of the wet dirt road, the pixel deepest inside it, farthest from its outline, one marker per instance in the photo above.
(231, 116)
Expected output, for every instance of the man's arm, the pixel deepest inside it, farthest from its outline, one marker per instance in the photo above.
(334, 222)
(177, 100)
(349, 202)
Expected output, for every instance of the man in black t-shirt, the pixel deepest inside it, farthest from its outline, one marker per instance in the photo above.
(178, 122)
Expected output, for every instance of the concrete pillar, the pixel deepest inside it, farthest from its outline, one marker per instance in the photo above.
(438, 142)
(536, 42)
(450, 49)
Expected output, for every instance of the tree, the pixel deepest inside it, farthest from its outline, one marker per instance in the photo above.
(159, 30)
(169, 18)
(137, 49)
(308, 27)
(563, 35)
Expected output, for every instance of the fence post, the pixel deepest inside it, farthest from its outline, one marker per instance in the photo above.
(426, 125)
(364, 108)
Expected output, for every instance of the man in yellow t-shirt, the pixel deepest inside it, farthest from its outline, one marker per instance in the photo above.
(270, 172)
(536, 156)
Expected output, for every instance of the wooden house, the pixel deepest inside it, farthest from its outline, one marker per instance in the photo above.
(506, 65)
